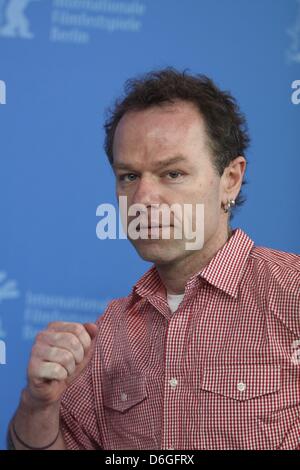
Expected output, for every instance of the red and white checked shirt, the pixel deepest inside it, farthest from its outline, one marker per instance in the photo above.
(219, 373)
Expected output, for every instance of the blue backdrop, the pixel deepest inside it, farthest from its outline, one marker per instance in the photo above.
(62, 62)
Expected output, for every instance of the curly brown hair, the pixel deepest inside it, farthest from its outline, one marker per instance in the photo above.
(225, 124)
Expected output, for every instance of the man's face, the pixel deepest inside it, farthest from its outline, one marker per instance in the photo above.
(161, 156)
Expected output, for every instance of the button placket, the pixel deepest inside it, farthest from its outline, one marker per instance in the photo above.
(173, 370)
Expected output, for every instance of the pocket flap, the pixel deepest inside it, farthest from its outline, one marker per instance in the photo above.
(124, 392)
(242, 381)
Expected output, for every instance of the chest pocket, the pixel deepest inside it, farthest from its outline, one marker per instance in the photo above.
(235, 401)
(123, 393)
(241, 382)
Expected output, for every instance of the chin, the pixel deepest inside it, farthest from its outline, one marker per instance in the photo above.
(157, 251)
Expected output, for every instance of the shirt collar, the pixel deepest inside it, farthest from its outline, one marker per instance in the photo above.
(223, 271)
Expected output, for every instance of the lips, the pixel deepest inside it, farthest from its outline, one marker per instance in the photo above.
(153, 226)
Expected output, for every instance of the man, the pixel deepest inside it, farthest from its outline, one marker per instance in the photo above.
(201, 354)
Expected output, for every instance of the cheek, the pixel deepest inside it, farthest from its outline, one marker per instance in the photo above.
(209, 192)
(123, 191)
(214, 191)
(212, 203)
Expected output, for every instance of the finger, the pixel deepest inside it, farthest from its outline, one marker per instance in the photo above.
(76, 328)
(47, 371)
(63, 340)
(47, 353)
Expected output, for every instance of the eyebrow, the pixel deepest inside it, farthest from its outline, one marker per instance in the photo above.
(158, 166)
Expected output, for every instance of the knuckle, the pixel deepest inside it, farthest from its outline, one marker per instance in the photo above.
(78, 329)
(52, 353)
(31, 365)
(74, 343)
(35, 350)
(67, 357)
(56, 336)
(40, 337)
(34, 368)
(56, 369)
(54, 324)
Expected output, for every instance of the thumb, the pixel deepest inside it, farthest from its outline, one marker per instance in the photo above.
(92, 329)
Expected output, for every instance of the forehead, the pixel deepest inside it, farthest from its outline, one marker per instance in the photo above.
(159, 129)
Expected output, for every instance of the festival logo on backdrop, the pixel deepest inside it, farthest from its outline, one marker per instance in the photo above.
(293, 52)
(72, 22)
(8, 291)
(14, 19)
(8, 288)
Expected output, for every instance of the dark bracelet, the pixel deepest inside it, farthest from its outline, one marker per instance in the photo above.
(30, 447)
(9, 442)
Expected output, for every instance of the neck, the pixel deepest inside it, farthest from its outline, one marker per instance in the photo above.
(175, 275)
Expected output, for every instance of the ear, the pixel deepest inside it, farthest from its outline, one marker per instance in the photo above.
(232, 178)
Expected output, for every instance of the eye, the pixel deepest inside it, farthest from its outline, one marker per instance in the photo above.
(174, 174)
(127, 177)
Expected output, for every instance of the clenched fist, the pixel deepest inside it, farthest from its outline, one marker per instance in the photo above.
(58, 356)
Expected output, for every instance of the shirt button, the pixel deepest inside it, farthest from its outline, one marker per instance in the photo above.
(124, 396)
(173, 382)
(241, 386)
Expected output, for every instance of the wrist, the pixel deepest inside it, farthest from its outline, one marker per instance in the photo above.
(13, 432)
(31, 404)
(36, 423)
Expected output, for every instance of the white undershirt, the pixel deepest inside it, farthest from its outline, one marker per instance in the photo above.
(174, 301)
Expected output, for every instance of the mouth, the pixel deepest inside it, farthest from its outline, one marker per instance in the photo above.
(149, 227)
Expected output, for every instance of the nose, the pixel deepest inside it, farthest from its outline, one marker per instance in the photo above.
(146, 192)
